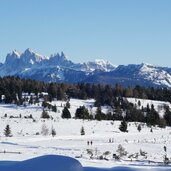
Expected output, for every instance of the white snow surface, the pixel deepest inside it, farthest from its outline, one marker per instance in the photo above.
(28, 142)
(155, 74)
(158, 105)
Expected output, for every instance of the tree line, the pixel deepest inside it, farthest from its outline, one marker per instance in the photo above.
(111, 95)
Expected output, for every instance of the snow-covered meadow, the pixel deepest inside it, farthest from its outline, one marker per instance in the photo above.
(144, 148)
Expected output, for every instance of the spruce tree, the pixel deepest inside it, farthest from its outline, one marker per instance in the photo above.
(98, 115)
(82, 113)
(82, 131)
(45, 115)
(53, 132)
(123, 126)
(167, 116)
(66, 113)
(139, 128)
(7, 131)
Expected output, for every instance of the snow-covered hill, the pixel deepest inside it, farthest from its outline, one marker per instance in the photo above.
(144, 149)
(58, 68)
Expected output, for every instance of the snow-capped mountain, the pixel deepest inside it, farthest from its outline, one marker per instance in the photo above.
(16, 62)
(98, 64)
(131, 75)
(58, 68)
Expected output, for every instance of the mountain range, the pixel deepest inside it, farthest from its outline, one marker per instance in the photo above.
(58, 68)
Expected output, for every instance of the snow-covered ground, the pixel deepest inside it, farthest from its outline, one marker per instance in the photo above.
(158, 105)
(28, 142)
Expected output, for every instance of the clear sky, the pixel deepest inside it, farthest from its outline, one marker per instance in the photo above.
(121, 31)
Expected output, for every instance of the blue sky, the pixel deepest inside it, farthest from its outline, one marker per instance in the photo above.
(121, 31)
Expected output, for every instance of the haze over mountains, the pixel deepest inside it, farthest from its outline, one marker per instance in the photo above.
(58, 68)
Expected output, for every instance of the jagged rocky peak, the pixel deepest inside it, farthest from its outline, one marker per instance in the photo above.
(60, 60)
(31, 57)
(59, 56)
(11, 57)
(28, 51)
(63, 55)
(16, 53)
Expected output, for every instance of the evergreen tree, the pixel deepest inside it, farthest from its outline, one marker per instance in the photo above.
(117, 114)
(167, 116)
(7, 131)
(139, 127)
(53, 132)
(54, 108)
(98, 115)
(52, 90)
(82, 131)
(66, 113)
(82, 113)
(45, 115)
(152, 117)
(60, 94)
(123, 126)
(139, 103)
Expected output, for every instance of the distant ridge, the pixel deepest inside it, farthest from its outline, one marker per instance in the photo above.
(58, 68)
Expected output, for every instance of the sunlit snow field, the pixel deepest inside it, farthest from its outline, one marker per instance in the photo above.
(26, 143)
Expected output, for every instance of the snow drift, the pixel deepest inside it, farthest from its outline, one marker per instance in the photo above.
(60, 163)
(43, 163)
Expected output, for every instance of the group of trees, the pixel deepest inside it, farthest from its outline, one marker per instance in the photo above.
(112, 96)
(12, 88)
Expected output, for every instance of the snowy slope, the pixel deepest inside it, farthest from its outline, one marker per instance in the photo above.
(28, 142)
(158, 105)
(155, 74)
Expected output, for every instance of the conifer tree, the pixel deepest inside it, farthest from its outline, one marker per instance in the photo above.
(123, 126)
(53, 132)
(82, 113)
(82, 131)
(45, 115)
(7, 131)
(66, 113)
(139, 128)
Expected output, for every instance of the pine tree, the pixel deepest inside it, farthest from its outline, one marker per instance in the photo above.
(82, 113)
(82, 131)
(66, 113)
(54, 108)
(53, 132)
(98, 115)
(167, 116)
(139, 128)
(123, 126)
(7, 131)
(45, 115)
